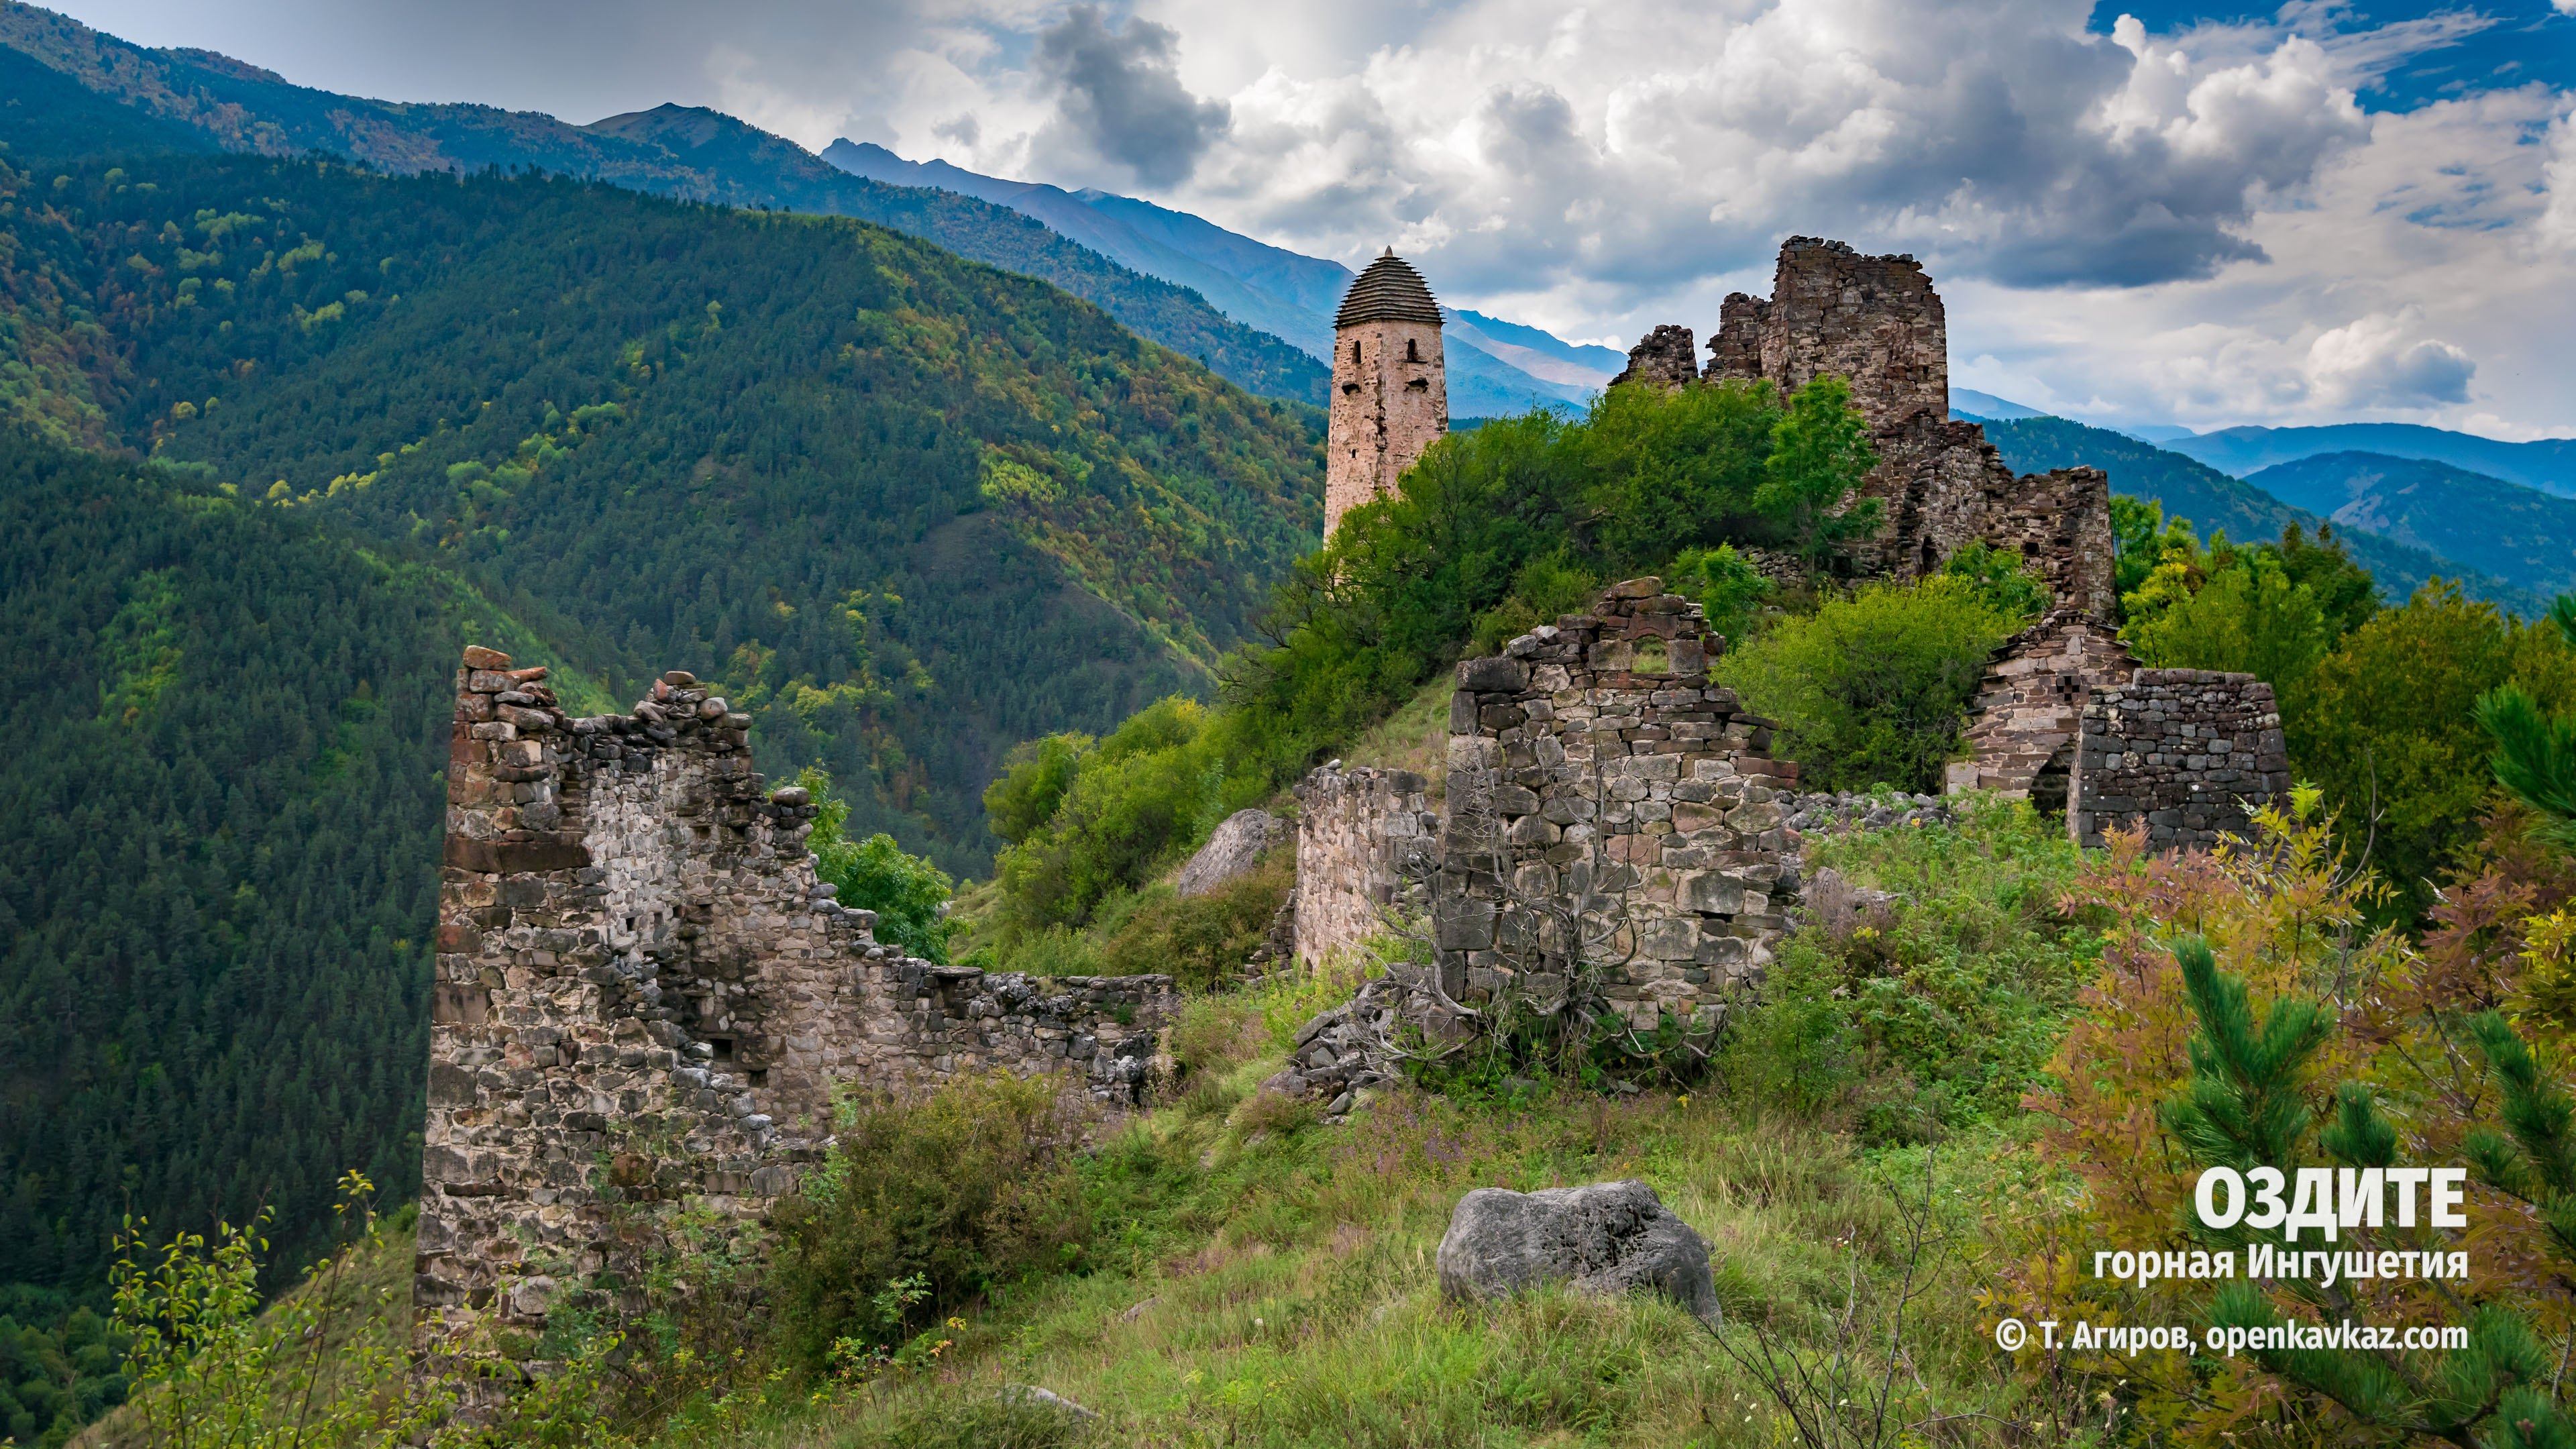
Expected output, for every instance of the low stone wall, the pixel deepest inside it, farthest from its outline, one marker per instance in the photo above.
(1356, 829)
(1595, 755)
(643, 996)
(2185, 751)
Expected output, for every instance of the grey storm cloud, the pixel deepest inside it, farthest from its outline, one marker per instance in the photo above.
(1120, 97)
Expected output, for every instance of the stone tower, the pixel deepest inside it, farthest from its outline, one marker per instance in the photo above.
(1390, 386)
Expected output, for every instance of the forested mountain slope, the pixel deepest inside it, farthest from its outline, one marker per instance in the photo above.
(672, 150)
(2214, 501)
(909, 509)
(226, 729)
(2519, 534)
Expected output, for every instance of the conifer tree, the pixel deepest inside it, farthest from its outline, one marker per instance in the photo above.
(2245, 1107)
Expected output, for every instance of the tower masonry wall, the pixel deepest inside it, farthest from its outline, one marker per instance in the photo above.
(644, 996)
(1390, 401)
(2183, 752)
(1873, 320)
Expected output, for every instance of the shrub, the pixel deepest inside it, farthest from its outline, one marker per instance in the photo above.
(1128, 805)
(969, 1187)
(908, 893)
(1938, 1008)
(2007, 582)
(1729, 589)
(1820, 451)
(2387, 725)
(1872, 689)
(1202, 939)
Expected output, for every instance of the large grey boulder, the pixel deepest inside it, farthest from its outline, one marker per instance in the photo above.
(1230, 851)
(1610, 1238)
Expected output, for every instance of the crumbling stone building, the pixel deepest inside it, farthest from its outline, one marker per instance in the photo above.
(1593, 757)
(643, 994)
(1878, 322)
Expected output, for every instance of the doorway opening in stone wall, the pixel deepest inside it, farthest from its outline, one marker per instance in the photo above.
(2048, 788)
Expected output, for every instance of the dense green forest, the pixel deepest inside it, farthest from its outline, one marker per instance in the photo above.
(909, 509)
(100, 95)
(219, 887)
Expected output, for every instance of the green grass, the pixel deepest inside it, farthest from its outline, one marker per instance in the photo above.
(1258, 1278)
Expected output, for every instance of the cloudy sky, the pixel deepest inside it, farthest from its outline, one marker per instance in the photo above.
(2144, 213)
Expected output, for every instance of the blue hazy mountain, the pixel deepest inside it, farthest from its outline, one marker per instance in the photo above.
(2518, 534)
(2216, 502)
(1502, 368)
(1985, 407)
(2548, 465)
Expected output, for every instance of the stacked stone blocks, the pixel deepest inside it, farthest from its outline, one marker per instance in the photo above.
(644, 996)
(1358, 833)
(2183, 752)
(1594, 757)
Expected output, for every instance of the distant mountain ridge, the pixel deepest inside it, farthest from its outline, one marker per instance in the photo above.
(687, 152)
(2548, 465)
(2213, 501)
(2519, 534)
(1504, 368)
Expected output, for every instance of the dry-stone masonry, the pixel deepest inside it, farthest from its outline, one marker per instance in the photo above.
(1666, 357)
(1594, 754)
(2029, 710)
(2181, 751)
(1873, 321)
(1358, 831)
(644, 996)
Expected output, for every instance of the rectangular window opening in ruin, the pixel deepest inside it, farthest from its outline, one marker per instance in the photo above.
(721, 1046)
(1651, 658)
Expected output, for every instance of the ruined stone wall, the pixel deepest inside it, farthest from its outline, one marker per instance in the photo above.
(1594, 752)
(644, 996)
(1943, 487)
(1873, 320)
(1665, 357)
(1356, 830)
(1390, 401)
(1940, 485)
(2029, 710)
(2186, 751)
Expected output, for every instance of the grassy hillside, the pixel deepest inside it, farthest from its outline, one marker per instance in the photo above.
(2214, 501)
(2518, 534)
(685, 152)
(910, 510)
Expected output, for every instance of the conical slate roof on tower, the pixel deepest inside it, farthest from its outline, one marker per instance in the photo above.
(1389, 291)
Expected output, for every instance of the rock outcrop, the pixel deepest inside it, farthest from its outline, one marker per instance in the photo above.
(1232, 849)
(1609, 1238)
